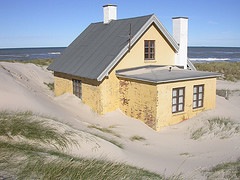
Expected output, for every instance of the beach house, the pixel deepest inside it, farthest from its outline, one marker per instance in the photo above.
(135, 65)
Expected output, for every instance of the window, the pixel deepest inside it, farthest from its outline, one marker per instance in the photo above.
(77, 88)
(178, 95)
(198, 91)
(149, 49)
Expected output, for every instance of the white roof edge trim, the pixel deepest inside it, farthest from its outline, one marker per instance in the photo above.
(134, 39)
(166, 33)
(167, 81)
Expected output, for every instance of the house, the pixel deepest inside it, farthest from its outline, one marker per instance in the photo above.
(136, 66)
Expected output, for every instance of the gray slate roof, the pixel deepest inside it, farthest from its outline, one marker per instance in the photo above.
(162, 74)
(100, 46)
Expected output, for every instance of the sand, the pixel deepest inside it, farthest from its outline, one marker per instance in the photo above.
(170, 151)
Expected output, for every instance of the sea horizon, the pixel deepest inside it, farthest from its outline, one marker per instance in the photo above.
(46, 47)
(195, 53)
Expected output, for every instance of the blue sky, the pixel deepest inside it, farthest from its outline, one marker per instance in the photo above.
(56, 23)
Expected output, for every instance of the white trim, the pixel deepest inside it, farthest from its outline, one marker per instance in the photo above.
(167, 81)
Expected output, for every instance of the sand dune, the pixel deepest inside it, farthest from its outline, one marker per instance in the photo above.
(170, 151)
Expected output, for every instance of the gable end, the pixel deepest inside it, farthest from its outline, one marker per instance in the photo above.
(152, 20)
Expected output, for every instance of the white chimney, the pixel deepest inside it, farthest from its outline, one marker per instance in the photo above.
(109, 13)
(180, 34)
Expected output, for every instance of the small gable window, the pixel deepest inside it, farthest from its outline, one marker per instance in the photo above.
(149, 49)
(178, 96)
(77, 88)
(198, 92)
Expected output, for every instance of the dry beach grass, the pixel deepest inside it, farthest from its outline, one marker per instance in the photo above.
(24, 154)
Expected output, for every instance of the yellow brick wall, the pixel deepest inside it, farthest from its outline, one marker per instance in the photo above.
(149, 103)
(110, 93)
(139, 101)
(62, 84)
(165, 116)
(91, 94)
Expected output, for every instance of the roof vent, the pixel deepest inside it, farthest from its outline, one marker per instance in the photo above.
(109, 13)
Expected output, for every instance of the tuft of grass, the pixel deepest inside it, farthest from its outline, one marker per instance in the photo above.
(137, 138)
(30, 160)
(218, 127)
(25, 161)
(105, 130)
(26, 125)
(178, 176)
(50, 85)
(38, 62)
(228, 170)
(231, 70)
(114, 142)
(109, 131)
(83, 169)
(197, 134)
(185, 154)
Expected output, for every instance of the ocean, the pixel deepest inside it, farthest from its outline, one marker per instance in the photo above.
(30, 53)
(203, 54)
(195, 54)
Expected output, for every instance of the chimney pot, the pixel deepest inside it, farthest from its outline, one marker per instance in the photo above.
(109, 13)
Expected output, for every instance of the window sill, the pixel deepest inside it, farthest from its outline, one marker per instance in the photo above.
(178, 113)
(198, 109)
(150, 61)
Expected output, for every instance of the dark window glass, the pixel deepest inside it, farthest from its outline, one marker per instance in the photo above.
(77, 88)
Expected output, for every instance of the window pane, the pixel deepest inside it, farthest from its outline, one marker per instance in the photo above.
(199, 103)
(174, 100)
(195, 97)
(180, 107)
(180, 100)
(180, 92)
(146, 44)
(194, 104)
(151, 44)
(195, 89)
(200, 96)
(174, 108)
(200, 89)
(174, 93)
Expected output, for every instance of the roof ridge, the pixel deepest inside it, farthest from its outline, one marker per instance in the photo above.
(136, 17)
